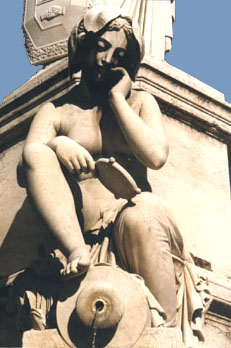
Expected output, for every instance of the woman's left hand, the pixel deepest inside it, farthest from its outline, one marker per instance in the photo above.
(123, 86)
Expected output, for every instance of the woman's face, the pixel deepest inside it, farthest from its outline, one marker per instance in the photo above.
(109, 52)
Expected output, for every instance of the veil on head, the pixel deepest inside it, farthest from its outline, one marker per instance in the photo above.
(94, 23)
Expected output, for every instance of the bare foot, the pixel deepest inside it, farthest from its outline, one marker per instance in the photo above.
(78, 263)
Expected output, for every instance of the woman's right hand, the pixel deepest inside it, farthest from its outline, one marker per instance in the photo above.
(74, 156)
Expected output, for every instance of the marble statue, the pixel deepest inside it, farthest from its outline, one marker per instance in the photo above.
(103, 117)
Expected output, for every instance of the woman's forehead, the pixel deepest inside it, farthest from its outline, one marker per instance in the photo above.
(115, 38)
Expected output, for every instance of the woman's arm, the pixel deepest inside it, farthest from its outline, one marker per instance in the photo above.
(45, 126)
(144, 133)
(44, 131)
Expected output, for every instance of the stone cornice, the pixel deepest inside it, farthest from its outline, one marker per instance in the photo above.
(180, 96)
(185, 98)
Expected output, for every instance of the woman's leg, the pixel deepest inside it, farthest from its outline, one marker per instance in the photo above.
(142, 237)
(52, 196)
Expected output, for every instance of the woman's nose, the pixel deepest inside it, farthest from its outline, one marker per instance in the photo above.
(107, 58)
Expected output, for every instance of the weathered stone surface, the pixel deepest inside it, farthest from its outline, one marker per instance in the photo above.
(160, 338)
(47, 25)
(217, 332)
(9, 333)
(21, 232)
(152, 338)
(195, 184)
(42, 339)
(217, 327)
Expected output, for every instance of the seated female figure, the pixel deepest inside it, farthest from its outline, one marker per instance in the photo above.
(104, 117)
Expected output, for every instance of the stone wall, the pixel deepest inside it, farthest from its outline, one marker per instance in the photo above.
(195, 181)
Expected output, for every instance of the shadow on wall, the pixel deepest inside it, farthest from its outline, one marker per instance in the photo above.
(21, 244)
(9, 334)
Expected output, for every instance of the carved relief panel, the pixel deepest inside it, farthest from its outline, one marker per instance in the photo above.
(47, 25)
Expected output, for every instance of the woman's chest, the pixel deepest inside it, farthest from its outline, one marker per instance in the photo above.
(96, 130)
(113, 141)
(82, 126)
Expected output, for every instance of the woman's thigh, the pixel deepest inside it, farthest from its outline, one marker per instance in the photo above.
(91, 200)
(147, 213)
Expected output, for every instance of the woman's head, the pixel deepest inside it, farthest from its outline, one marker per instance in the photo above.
(98, 33)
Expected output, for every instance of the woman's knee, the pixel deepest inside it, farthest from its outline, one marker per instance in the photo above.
(142, 221)
(145, 210)
(148, 201)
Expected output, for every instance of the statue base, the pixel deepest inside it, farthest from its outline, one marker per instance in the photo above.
(151, 338)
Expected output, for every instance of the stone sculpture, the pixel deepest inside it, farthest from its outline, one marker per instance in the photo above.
(64, 167)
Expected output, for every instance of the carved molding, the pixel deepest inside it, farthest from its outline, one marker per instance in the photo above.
(187, 99)
(46, 53)
(47, 25)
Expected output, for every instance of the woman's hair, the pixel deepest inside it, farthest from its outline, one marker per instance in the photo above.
(81, 41)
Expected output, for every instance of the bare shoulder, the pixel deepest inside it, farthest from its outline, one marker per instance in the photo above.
(57, 110)
(45, 124)
(49, 106)
(48, 109)
(66, 108)
(147, 104)
(142, 97)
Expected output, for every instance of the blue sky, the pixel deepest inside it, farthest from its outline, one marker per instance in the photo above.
(201, 45)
